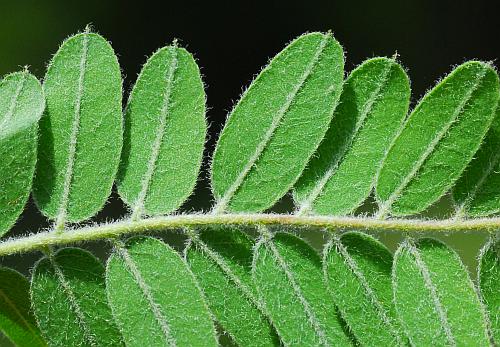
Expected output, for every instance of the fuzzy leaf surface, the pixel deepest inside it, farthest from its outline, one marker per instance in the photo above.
(81, 131)
(374, 102)
(21, 106)
(435, 299)
(489, 282)
(155, 298)
(69, 299)
(357, 269)
(16, 319)
(289, 280)
(477, 192)
(221, 260)
(277, 125)
(439, 139)
(165, 132)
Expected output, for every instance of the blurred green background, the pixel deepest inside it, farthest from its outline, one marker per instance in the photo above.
(232, 40)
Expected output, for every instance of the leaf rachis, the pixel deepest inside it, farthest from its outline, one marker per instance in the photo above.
(346, 148)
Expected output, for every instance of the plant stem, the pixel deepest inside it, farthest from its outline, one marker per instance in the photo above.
(183, 221)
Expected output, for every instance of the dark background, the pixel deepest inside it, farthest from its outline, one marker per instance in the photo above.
(232, 40)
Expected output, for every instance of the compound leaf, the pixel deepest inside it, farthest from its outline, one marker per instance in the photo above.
(489, 280)
(477, 192)
(69, 299)
(164, 134)
(439, 139)
(81, 132)
(16, 319)
(289, 280)
(221, 260)
(21, 106)
(435, 299)
(357, 269)
(277, 125)
(373, 105)
(155, 298)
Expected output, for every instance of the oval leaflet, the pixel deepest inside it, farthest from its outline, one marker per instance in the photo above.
(21, 105)
(277, 125)
(81, 131)
(164, 134)
(438, 140)
(155, 298)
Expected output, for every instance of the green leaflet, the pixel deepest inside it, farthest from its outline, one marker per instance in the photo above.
(155, 298)
(477, 193)
(287, 273)
(81, 132)
(69, 299)
(373, 105)
(357, 269)
(435, 299)
(164, 134)
(439, 139)
(16, 320)
(277, 125)
(489, 282)
(21, 106)
(221, 260)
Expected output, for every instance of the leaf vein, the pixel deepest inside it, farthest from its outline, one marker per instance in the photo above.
(351, 263)
(225, 268)
(160, 133)
(148, 295)
(72, 301)
(68, 177)
(296, 288)
(27, 324)
(443, 318)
